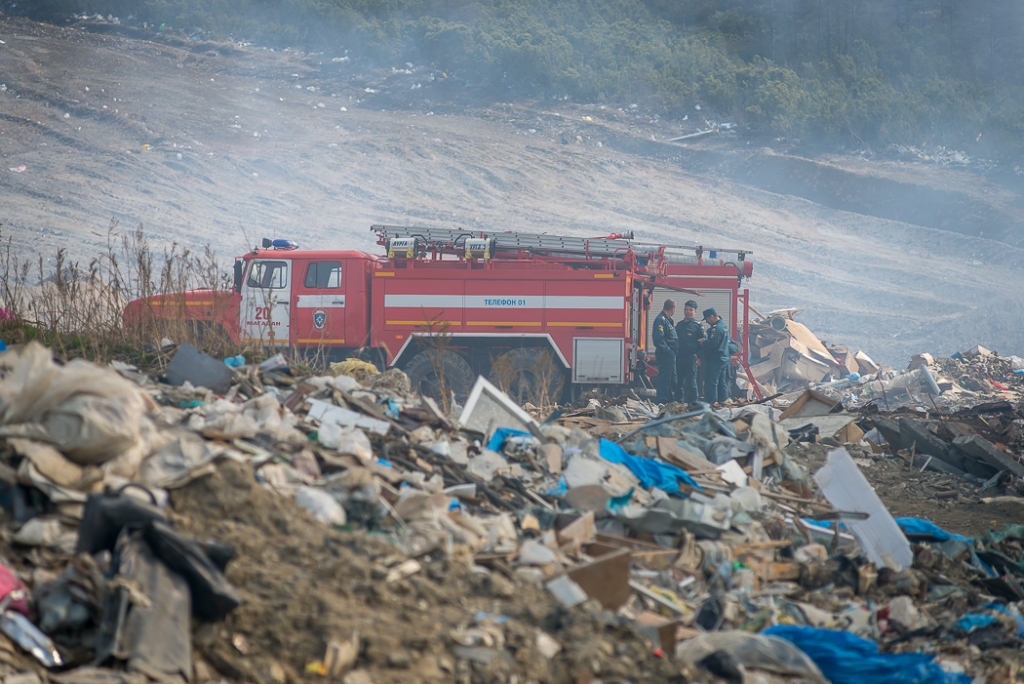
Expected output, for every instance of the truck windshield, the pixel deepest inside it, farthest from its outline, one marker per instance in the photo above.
(271, 275)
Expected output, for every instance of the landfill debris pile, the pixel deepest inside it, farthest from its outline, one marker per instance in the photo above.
(786, 358)
(785, 355)
(242, 522)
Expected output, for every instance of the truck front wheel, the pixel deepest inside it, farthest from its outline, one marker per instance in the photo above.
(529, 374)
(434, 369)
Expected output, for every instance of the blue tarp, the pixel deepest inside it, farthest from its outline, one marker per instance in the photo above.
(501, 434)
(664, 476)
(559, 489)
(845, 658)
(972, 621)
(912, 526)
(616, 503)
(926, 528)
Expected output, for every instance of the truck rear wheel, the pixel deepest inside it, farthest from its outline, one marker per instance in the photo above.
(529, 374)
(425, 369)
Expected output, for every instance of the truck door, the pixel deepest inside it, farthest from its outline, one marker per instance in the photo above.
(320, 304)
(636, 326)
(266, 302)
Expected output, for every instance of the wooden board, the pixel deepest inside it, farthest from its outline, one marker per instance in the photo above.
(684, 458)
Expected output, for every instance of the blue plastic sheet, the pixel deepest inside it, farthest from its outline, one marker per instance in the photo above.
(501, 434)
(926, 528)
(912, 526)
(972, 621)
(617, 503)
(848, 659)
(559, 489)
(664, 476)
(392, 409)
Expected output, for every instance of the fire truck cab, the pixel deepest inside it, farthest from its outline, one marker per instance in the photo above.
(304, 299)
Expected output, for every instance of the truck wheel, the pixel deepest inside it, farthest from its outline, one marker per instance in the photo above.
(529, 374)
(424, 368)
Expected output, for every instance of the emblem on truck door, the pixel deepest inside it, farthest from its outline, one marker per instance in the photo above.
(319, 319)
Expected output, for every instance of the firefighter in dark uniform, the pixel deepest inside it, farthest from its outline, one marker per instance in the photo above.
(715, 356)
(690, 332)
(666, 344)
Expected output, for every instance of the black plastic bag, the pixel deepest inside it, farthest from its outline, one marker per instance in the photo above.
(213, 597)
(145, 625)
(108, 513)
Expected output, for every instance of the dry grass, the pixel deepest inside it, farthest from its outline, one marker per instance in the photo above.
(439, 345)
(550, 380)
(540, 382)
(78, 309)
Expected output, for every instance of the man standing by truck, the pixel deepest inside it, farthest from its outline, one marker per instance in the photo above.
(690, 333)
(716, 356)
(666, 345)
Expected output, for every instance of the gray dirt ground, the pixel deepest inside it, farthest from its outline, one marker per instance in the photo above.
(909, 492)
(246, 143)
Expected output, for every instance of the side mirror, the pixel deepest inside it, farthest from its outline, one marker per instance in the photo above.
(239, 269)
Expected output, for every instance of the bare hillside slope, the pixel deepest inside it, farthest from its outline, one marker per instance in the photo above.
(218, 144)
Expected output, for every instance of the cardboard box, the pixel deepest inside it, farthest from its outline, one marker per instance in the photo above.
(796, 345)
(838, 426)
(851, 434)
(867, 366)
(810, 403)
(918, 359)
(766, 370)
(846, 359)
(801, 334)
(579, 532)
(605, 579)
(796, 366)
(977, 350)
(658, 629)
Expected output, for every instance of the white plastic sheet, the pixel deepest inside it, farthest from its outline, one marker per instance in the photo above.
(343, 417)
(847, 489)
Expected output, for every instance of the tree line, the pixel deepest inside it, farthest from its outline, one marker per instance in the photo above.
(830, 73)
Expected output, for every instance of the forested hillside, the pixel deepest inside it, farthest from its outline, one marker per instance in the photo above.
(853, 74)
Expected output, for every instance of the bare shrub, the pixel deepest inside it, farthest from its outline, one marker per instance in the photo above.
(79, 309)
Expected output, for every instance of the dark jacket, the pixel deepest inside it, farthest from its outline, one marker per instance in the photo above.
(665, 333)
(689, 332)
(716, 349)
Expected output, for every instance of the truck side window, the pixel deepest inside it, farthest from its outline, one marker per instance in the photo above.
(272, 275)
(324, 275)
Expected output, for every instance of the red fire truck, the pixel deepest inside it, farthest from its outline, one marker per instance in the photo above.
(541, 312)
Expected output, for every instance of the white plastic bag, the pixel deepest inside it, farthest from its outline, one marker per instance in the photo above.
(321, 505)
(89, 413)
(349, 440)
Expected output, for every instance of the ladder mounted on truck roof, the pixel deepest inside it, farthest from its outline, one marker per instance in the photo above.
(449, 239)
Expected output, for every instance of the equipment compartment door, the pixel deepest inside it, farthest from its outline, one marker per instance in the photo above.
(320, 304)
(266, 302)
